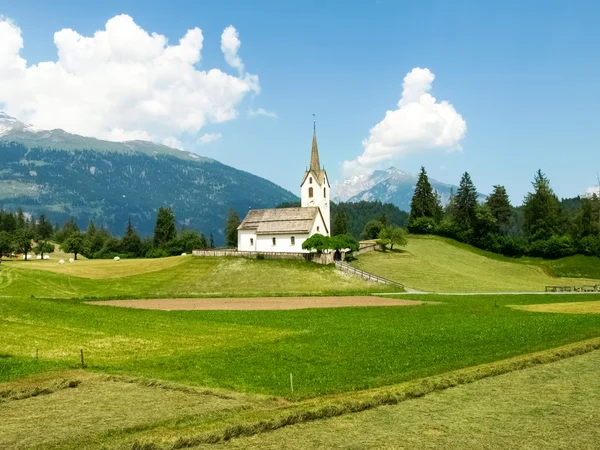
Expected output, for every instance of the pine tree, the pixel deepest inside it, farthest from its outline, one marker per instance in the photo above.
(131, 242)
(20, 219)
(164, 231)
(541, 209)
(340, 223)
(44, 228)
(212, 241)
(423, 201)
(465, 203)
(231, 226)
(500, 206)
(91, 230)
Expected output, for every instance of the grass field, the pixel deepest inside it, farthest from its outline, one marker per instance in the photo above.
(176, 277)
(551, 407)
(233, 364)
(434, 264)
(563, 308)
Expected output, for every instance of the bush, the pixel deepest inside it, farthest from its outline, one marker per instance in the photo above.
(446, 228)
(589, 245)
(260, 256)
(422, 225)
(553, 248)
(514, 246)
(156, 253)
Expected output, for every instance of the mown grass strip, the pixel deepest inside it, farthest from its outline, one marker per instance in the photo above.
(12, 394)
(333, 406)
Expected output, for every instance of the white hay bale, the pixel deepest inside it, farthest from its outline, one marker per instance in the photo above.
(71, 260)
(62, 261)
(117, 258)
(38, 257)
(46, 256)
(184, 254)
(28, 257)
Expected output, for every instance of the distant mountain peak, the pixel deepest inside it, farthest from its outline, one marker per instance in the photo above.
(13, 130)
(390, 185)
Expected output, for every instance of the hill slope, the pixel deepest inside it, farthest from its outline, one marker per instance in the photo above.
(434, 264)
(66, 175)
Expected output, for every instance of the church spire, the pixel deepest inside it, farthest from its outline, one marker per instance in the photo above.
(315, 164)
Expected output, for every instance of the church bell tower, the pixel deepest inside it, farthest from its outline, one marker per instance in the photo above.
(315, 188)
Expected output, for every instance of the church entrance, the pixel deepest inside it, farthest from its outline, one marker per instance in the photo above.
(337, 256)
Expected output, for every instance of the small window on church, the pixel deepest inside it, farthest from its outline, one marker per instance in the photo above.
(310, 180)
(274, 241)
(310, 192)
(251, 241)
(318, 228)
(293, 240)
(325, 192)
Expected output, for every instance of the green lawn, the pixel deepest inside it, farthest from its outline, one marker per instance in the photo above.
(327, 350)
(434, 264)
(552, 407)
(176, 277)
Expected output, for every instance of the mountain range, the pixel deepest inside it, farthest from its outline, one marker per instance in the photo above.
(67, 175)
(388, 186)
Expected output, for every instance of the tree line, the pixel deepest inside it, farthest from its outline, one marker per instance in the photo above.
(542, 226)
(22, 234)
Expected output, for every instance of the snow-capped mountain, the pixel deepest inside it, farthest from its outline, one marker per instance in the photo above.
(14, 130)
(388, 186)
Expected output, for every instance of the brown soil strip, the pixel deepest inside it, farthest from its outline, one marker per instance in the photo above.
(265, 303)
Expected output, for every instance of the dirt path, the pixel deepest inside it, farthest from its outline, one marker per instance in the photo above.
(265, 303)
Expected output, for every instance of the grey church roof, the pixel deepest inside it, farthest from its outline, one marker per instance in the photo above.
(280, 220)
(315, 164)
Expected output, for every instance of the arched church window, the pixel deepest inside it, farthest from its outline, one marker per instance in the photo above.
(293, 240)
(310, 192)
(309, 180)
(274, 241)
(325, 192)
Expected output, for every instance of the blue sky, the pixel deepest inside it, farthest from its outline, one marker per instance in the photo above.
(522, 75)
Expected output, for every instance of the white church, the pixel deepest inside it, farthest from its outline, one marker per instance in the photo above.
(283, 230)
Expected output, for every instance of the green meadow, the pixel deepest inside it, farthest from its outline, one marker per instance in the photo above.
(435, 264)
(215, 372)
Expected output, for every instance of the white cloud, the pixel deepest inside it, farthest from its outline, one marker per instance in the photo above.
(230, 44)
(122, 83)
(591, 191)
(262, 112)
(173, 143)
(420, 123)
(209, 137)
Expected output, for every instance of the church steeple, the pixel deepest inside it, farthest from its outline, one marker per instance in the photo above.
(315, 164)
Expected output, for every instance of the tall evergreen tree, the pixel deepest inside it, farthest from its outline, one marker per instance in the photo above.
(20, 219)
(465, 203)
(164, 231)
(91, 230)
(541, 209)
(340, 223)
(131, 242)
(44, 228)
(423, 201)
(231, 226)
(211, 243)
(500, 206)
(6, 244)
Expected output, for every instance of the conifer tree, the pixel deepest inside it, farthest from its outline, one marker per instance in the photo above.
(541, 209)
(131, 241)
(423, 203)
(465, 203)
(6, 243)
(212, 241)
(43, 229)
(500, 206)
(164, 231)
(231, 226)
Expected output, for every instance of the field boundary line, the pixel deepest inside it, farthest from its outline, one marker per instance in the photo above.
(341, 404)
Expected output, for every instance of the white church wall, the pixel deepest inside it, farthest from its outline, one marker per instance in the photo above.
(319, 198)
(283, 243)
(246, 241)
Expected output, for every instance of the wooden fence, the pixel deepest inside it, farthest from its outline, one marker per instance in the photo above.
(585, 288)
(365, 275)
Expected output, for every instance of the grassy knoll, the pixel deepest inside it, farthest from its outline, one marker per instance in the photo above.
(435, 264)
(553, 406)
(176, 277)
(327, 351)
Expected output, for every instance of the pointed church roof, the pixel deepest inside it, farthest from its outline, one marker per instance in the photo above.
(315, 164)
